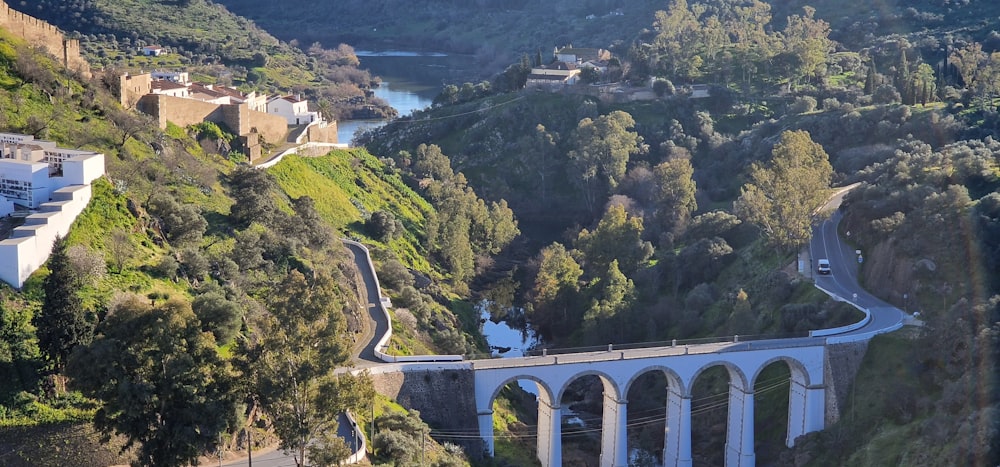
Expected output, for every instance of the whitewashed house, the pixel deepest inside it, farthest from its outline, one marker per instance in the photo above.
(152, 51)
(294, 109)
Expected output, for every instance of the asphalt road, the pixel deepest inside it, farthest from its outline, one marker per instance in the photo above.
(842, 283)
(277, 458)
(364, 352)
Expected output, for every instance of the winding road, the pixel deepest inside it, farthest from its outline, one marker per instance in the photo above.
(841, 284)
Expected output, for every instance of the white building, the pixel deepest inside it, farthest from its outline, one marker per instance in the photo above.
(295, 110)
(24, 182)
(54, 181)
(179, 77)
(169, 88)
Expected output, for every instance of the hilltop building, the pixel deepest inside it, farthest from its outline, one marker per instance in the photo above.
(553, 75)
(253, 117)
(54, 184)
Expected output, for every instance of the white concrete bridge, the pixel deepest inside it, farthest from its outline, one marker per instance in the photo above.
(681, 366)
(807, 359)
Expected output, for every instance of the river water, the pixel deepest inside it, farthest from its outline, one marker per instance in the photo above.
(410, 81)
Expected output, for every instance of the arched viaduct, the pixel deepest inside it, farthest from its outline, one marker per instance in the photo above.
(618, 370)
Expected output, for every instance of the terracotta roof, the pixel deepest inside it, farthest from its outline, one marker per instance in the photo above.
(202, 89)
(166, 85)
(231, 92)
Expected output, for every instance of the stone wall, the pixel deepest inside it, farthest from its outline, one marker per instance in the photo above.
(324, 132)
(445, 399)
(236, 117)
(840, 366)
(131, 88)
(39, 33)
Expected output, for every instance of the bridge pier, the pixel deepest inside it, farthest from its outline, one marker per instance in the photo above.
(549, 434)
(739, 436)
(806, 406)
(677, 437)
(486, 429)
(614, 432)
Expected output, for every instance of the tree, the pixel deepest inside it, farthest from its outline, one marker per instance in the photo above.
(601, 152)
(127, 123)
(295, 347)
(614, 293)
(677, 42)
(782, 196)
(62, 323)
(253, 195)
(160, 381)
(430, 162)
(808, 43)
(618, 238)
(121, 248)
(218, 315)
(675, 195)
(555, 287)
(383, 226)
(182, 224)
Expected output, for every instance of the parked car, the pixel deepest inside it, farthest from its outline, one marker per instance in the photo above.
(823, 266)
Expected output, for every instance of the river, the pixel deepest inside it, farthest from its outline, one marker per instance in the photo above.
(410, 81)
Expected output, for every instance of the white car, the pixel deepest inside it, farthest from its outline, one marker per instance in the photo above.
(823, 266)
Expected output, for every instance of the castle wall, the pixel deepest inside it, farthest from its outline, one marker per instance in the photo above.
(324, 132)
(39, 33)
(272, 128)
(238, 118)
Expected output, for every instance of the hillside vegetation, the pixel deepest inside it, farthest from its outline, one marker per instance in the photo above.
(657, 233)
(215, 45)
(588, 221)
(187, 274)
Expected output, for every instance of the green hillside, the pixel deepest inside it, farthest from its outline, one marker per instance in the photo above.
(214, 45)
(202, 251)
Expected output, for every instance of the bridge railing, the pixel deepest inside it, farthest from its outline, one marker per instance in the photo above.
(842, 329)
(546, 351)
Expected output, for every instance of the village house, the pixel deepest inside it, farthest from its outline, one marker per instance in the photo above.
(553, 75)
(294, 109)
(152, 51)
(30, 169)
(576, 55)
(181, 77)
(169, 88)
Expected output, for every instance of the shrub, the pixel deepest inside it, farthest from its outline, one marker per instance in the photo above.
(803, 104)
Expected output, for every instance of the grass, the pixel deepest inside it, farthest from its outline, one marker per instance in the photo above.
(347, 186)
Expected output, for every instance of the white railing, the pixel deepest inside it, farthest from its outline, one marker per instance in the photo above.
(362, 448)
(842, 329)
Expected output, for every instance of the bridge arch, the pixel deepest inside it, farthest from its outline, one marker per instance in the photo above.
(609, 383)
(673, 379)
(805, 397)
(737, 377)
(676, 410)
(543, 388)
(799, 372)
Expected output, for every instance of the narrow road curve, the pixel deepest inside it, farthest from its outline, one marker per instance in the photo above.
(842, 283)
(364, 347)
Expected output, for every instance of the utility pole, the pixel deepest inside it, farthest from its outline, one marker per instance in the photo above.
(423, 443)
(249, 445)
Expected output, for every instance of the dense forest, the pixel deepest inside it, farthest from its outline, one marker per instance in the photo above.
(588, 220)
